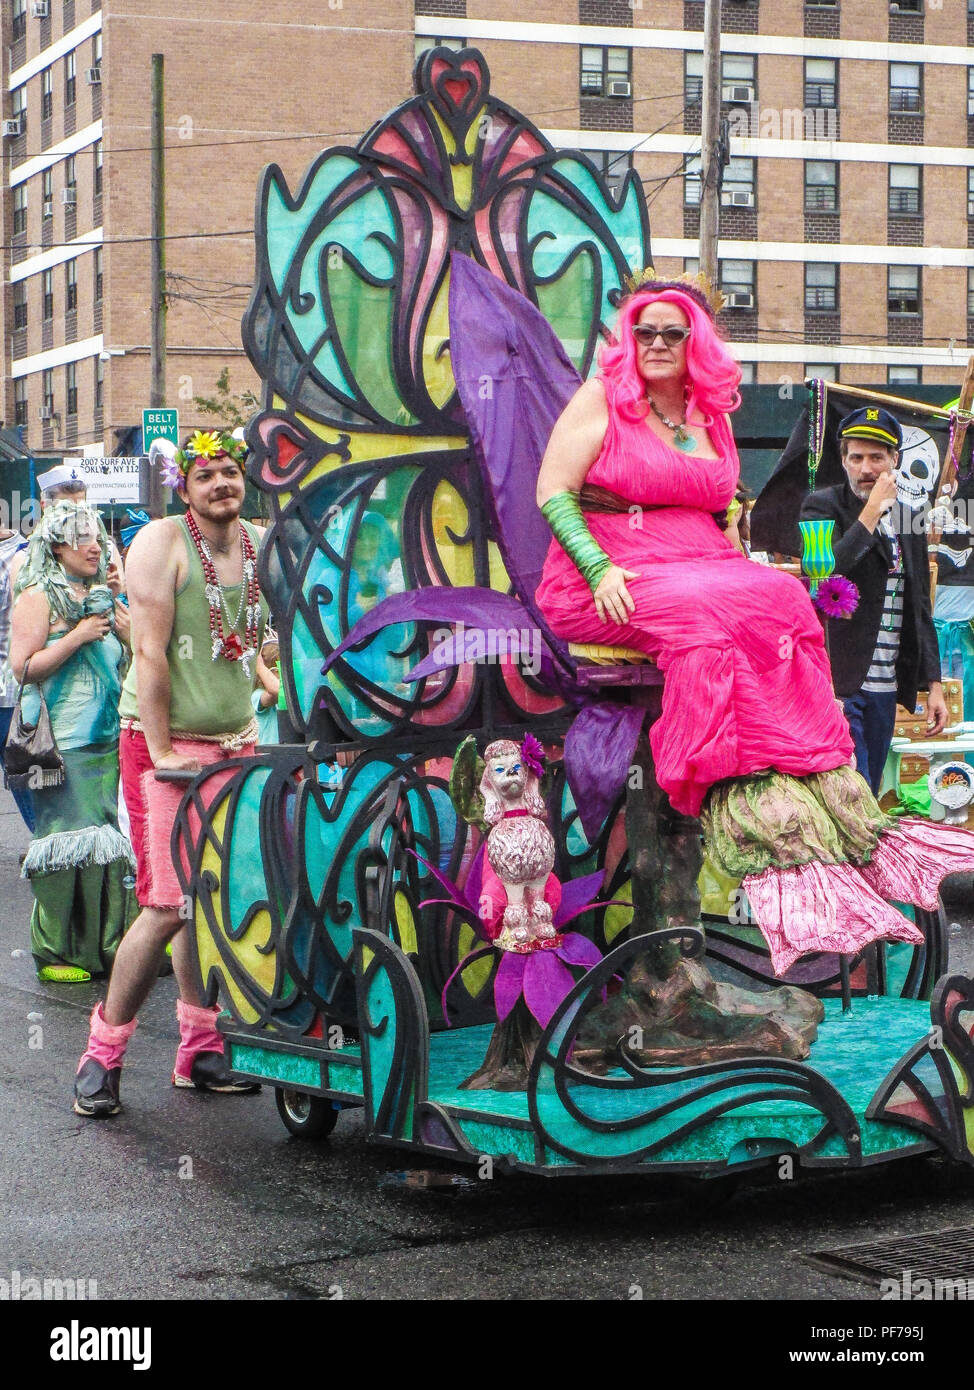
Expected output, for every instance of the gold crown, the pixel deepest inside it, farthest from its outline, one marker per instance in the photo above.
(641, 279)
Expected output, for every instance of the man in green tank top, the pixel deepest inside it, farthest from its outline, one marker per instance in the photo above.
(197, 623)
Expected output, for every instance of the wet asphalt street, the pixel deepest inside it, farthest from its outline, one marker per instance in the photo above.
(186, 1196)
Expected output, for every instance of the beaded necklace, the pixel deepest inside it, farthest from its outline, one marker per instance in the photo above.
(228, 644)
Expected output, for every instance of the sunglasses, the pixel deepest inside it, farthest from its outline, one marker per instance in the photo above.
(646, 334)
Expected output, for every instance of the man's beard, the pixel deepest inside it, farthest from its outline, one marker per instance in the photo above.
(216, 509)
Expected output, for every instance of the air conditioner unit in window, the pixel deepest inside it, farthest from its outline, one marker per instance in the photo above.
(12, 127)
(93, 77)
(38, 9)
(740, 300)
(619, 88)
(69, 196)
(737, 198)
(48, 207)
(738, 95)
(45, 412)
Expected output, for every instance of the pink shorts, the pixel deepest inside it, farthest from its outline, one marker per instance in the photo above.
(152, 808)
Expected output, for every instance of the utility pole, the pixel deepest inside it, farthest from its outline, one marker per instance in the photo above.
(157, 279)
(711, 155)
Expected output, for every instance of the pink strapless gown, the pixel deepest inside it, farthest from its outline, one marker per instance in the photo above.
(748, 685)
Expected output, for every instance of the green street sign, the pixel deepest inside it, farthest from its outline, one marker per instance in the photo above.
(159, 424)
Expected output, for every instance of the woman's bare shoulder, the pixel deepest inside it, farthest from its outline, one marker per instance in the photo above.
(588, 406)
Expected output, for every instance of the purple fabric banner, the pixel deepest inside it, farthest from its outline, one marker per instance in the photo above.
(514, 380)
(599, 749)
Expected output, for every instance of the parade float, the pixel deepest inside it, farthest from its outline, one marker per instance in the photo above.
(551, 1000)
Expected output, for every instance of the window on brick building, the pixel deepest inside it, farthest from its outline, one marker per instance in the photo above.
(47, 193)
(20, 401)
(970, 91)
(905, 87)
(20, 304)
(905, 184)
(906, 6)
(821, 82)
(71, 173)
(902, 376)
(693, 174)
(71, 387)
(47, 295)
(47, 94)
(736, 280)
(737, 189)
(613, 165)
(903, 289)
(821, 185)
(99, 276)
(821, 285)
(823, 371)
(747, 373)
(47, 389)
(99, 383)
(970, 292)
(606, 72)
(70, 78)
(20, 208)
(71, 284)
(970, 192)
(737, 79)
(821, 5)
(18, 26)
(18, 107)
(425, 42)
(96, 50)
(693, 78)
(98, 161)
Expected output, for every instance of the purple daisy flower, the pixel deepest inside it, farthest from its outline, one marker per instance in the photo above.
(532, 755)
(836, 597)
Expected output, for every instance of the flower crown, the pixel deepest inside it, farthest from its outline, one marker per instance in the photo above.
(204, 444)
(698, 286)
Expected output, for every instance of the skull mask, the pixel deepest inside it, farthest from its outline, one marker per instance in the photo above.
(918, 468)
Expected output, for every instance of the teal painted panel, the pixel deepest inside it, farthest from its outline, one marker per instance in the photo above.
(378, 1048)
(854, 1053)
(276, 1066)
(245, 868)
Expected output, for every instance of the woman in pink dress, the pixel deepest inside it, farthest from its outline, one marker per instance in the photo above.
(638, 473)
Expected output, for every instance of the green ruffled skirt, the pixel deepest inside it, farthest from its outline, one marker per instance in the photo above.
(80, 865)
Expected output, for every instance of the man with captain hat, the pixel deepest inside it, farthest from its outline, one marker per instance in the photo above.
(887, 649)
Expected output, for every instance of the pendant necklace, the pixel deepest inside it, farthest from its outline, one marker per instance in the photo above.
(681, 439)
(226, 641)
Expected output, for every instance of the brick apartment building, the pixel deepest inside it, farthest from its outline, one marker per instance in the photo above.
(248, 83)
(846, 232)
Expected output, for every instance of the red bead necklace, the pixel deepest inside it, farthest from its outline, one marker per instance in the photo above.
(227, 643)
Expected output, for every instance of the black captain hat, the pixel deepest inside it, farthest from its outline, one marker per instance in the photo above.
(872, 422)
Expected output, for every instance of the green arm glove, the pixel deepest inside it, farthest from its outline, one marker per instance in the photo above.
(563, 513)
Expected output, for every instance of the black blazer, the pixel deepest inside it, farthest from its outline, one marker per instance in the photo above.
(865, 558)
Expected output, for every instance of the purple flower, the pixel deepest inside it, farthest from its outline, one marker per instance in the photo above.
(532, 755)
(541, 977)
(171, 473)
(836, 597)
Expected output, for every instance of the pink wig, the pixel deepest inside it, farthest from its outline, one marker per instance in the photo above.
(713, 374)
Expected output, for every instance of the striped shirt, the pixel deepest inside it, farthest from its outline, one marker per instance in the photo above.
(881, 675)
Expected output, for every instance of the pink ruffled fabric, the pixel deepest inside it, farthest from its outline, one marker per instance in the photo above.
(909, 862)
(822, 907)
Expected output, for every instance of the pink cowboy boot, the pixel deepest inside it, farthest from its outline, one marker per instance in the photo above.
(100, 1069)
(200, 1061)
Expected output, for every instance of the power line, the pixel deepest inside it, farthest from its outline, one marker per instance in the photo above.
(187, 144)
